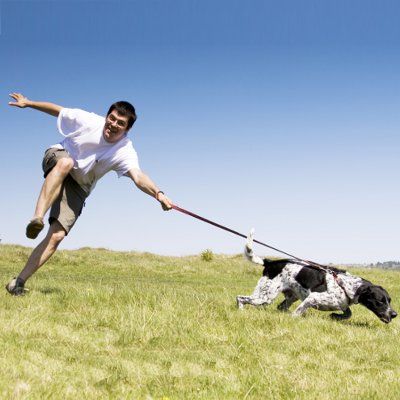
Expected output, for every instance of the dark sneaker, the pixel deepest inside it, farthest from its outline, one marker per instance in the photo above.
(34, 227)
(16, 287)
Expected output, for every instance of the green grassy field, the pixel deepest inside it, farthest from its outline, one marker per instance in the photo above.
(107, 325)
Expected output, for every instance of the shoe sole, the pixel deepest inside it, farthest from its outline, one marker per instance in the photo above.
(16, 293)
(34, 228)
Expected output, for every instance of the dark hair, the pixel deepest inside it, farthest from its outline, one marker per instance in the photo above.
(126, 109)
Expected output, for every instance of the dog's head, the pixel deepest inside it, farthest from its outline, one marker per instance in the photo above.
(376, 299)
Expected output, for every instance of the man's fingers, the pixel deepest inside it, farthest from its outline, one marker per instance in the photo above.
(166, 204)
(17, 96)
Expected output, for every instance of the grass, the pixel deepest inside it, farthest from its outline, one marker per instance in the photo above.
(110, 325)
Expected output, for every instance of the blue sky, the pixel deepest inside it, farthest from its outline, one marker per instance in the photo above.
(282, 116)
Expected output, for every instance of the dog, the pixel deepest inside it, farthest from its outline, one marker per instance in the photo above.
(325, 289)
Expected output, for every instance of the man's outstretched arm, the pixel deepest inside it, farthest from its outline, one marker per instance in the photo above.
(145, 184)
(22, 102)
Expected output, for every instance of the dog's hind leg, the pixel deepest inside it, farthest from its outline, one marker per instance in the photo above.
(290, 298)
(265, 292)
(346, 315)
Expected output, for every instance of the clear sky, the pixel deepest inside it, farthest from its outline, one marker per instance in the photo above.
(282, 116)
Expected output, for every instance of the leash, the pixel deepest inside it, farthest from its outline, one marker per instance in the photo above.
(182, 210)
(309, 263)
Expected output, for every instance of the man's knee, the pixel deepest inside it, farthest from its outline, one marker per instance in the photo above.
(64, 165)
(57, 234)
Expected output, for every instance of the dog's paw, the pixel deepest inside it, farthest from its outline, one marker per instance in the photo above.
(239, 303)
(297, 314)
(340, 317)
(283, 307)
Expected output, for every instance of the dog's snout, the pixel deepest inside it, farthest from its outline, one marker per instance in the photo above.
(393, 314)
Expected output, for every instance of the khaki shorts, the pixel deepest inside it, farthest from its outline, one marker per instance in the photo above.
(68, 206)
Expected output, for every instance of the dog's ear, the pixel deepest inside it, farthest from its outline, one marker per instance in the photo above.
(362, 294)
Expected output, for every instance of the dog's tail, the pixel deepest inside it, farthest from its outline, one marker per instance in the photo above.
(272, 266)
(248, 250)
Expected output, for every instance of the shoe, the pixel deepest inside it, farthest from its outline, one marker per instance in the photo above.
(16, 287)
(34, 227)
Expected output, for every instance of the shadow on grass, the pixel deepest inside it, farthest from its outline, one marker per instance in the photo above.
(356, 324)
(50, 290)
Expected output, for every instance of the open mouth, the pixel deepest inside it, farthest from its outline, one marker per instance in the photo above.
(386, 320)
(110, 130)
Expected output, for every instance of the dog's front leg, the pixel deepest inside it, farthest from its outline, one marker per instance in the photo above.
(265, 292)
(321, 301)
(308, 302)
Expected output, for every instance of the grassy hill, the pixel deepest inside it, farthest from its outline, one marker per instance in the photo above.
(99, 324)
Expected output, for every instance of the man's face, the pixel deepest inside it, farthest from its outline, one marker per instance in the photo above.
(115, 127)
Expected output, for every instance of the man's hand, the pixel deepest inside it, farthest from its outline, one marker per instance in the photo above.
(166, 203)
(20, 100)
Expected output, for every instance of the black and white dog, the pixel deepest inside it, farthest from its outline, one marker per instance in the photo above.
(325, 290)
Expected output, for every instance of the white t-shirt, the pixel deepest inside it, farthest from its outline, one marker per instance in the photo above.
(93, 156)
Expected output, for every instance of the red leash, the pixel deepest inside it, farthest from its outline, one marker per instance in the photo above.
(311, 263)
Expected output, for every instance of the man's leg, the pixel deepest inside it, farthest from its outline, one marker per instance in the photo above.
(50, 191)
(65, 211)
(38, 257)
(44, 250)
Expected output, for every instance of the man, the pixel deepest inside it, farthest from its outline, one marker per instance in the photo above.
(92, 147)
